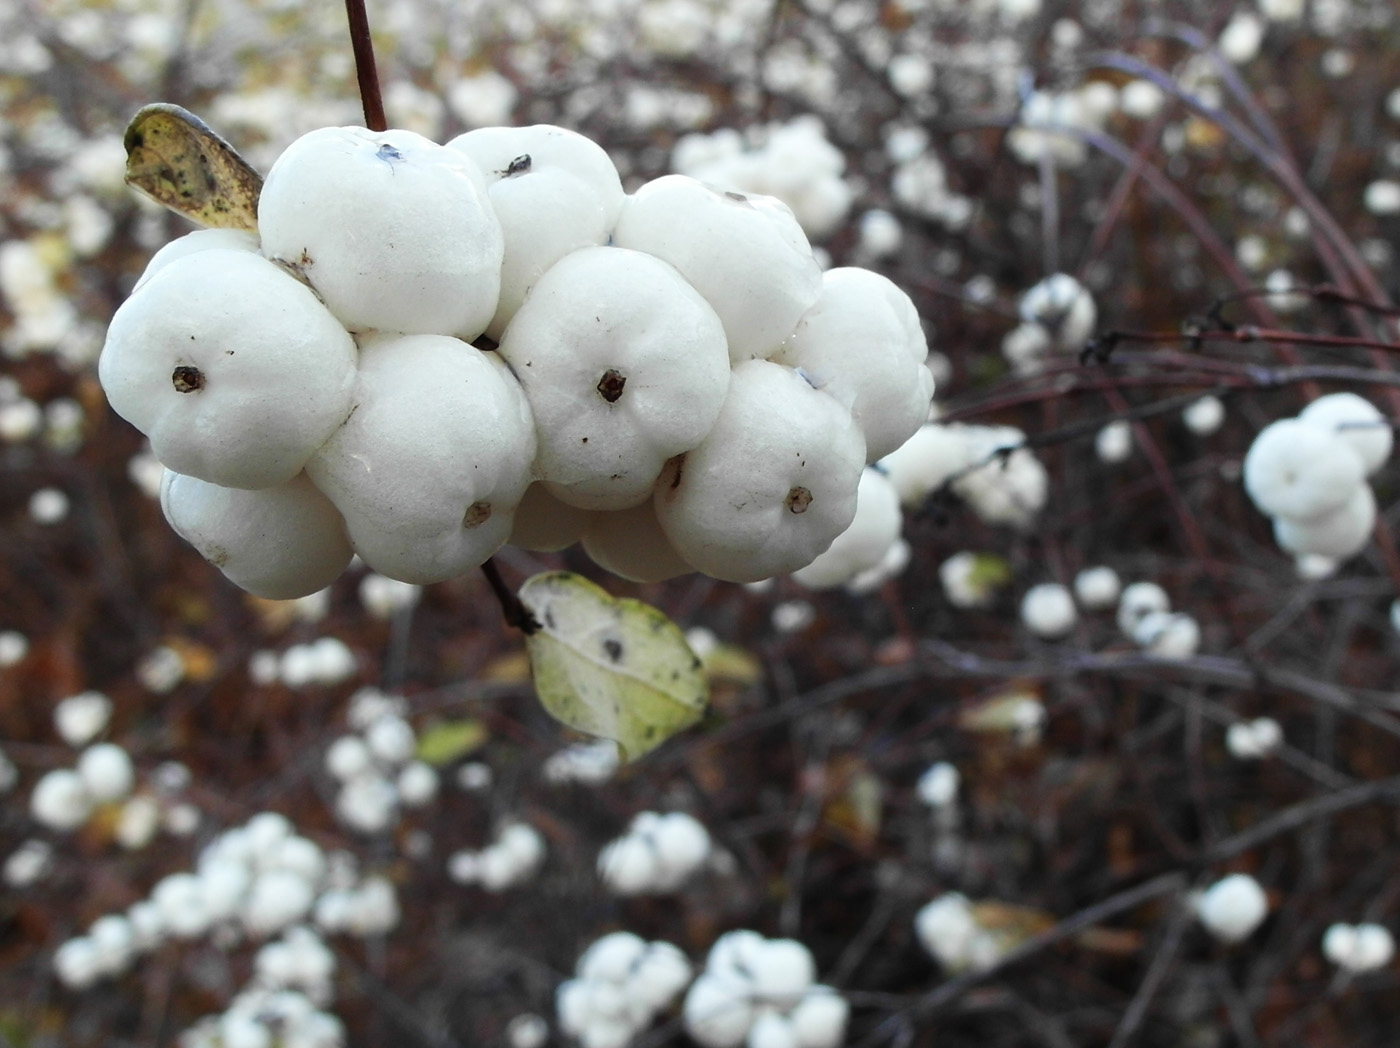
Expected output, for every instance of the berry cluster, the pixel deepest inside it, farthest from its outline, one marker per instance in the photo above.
(427, 351)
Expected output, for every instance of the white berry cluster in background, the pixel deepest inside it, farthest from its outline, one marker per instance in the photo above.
(510, 860)
(1359, 948)
(986, 466)
(656, 855)
(793, 162)
(1057, 316)
(375, 766)
(948, 928)
(1145, 615)
(1309, 474)
(620, 985)
(762, 993)
(679, 396)
(251, 882)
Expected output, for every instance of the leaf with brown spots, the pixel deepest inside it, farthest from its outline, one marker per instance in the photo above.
(615, 668)
(174, 158)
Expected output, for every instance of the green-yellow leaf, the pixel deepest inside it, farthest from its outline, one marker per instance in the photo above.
(615, 668)
(445, 741)
(177, 160)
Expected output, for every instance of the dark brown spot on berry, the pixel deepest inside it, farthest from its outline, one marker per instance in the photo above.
(610, 385)
(186, 379)
(519, 165)
(798, 499)
(478, 513)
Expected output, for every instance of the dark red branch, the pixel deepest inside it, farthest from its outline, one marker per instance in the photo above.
(365, 72)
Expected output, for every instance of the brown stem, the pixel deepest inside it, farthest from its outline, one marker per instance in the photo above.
(515, 613)
(365, 72)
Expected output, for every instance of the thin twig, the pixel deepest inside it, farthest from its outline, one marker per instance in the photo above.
(365, 72)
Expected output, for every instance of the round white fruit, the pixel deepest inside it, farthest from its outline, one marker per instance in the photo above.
(1358, 422)
(232, 368)
(1301, 469)
(746, 255)
(281, 542)
(624, 365)
(428, 469)
(865, 543)
(1340, 534)
(863, 343)
(552, 189)
(630, 544)
(395, 232)
(772, 485)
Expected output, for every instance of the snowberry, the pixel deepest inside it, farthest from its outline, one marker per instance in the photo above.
(782, 970)
(1358, 948)
(428, 469)
(1341, 533)
(1139, 600)
(1009, 485)
(1301, 470)
(717, 1012)
(395, 232)
(624, 365)
(106, 771)
(968, 581)
(527, 1031)
(180, 900)
(1025, 347)
(347, 757)
(1204, 415)
(1047, 610)
(938, 786)
(78, 963)
(61, 800)
(417, 784)
(631, 544)
(1114, 443)
(553, 191)
(628, 865)
(863, 545)
(232, 368)
(115, 941)
(544, 524)
(367, 803)
(192, 243)
(1251, 740)
(277, 542)
(275, 900)
(1064, 308)
(819, 1019)
(1358, 422)
(925, 462)
(81, 718)
(1097, 587)
(864, 344)
(1170, 635)
(946, 927)
(746, 255)
(524, 844)
(1233, 907)
(28, 863)
(682, 843)
(772, 485)
(659, 974)
(771, 1030)
(611, 958)
(391, 739)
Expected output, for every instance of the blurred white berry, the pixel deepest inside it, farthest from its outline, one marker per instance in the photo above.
(1231, 908)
